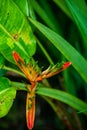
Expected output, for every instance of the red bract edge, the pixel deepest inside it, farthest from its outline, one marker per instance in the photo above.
(16, 56)
(66, 65)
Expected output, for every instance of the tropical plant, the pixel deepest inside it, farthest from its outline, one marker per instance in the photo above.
(49, 32)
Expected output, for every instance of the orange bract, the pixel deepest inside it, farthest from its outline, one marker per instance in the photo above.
(30, 108)
(27, 69)
(34, 77)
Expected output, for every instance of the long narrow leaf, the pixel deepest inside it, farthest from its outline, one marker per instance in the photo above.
(45, 17)
(63, 97)
(56, 94)
(63, 6)
(78, 62)
(80, 16)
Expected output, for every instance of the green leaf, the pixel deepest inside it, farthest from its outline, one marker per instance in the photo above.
(23, 5)
(70, 86)
(78, 62)
(78, 10)
(7, 95)
(2, 72)
(48, 16)
(2, 60)
(63, 97)
(63, 6)
(31, 10)
(19, 86)
(15, 31)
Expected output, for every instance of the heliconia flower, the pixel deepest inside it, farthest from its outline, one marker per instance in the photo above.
(34, 76)
(53, 71)
(27, 69)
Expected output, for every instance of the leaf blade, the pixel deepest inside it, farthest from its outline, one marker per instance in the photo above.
(7, 95)
(78, 62)
(78, 10)
(15, 31)
(63, 97)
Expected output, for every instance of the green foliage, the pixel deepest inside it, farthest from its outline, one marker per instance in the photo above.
(2, 60)
(60, 29)
(7, 95)
(15, 31)
(78, 10)
(65, 48)
(62, 4)
(64, 97)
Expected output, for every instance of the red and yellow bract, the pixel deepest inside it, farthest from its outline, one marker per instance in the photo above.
(34, 77)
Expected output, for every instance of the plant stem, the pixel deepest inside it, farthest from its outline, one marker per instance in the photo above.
(45, 52)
